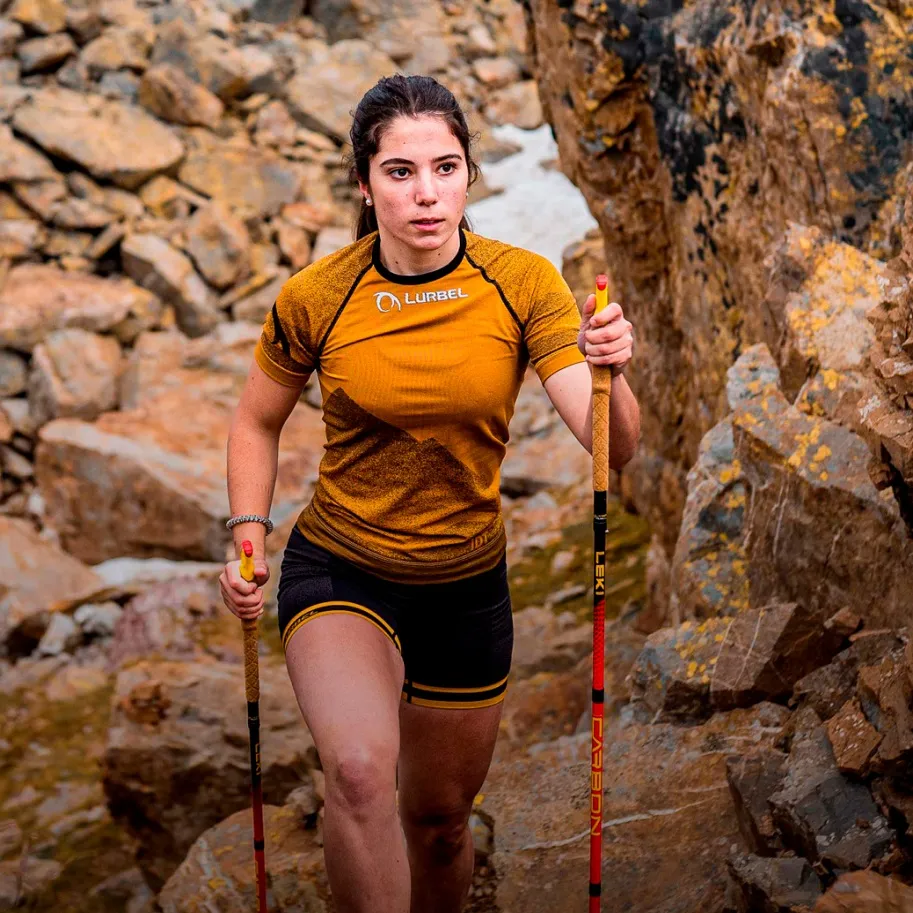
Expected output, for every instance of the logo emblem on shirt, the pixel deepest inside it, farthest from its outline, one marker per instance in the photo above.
(387, 301)
(388, 298)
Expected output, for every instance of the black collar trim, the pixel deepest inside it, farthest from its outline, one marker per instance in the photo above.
(421, 278)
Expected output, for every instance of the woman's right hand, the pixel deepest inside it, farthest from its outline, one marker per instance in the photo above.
(244, 598)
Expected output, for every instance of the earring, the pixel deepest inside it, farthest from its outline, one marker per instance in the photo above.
(368, 200)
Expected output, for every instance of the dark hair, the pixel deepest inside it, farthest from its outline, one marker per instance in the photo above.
(392, 97)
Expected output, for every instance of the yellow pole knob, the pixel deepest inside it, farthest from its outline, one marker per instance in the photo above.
(247, 560)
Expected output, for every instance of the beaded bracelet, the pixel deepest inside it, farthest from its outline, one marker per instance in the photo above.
(251, 518)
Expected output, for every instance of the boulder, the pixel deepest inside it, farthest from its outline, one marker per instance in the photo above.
(219, 244)
(830, 687)
(118, 48)
(155, 265)
(785, 885)
(21, 239)
(409, 32)
(13, 373)
(819, 469)
(885, 692)
(672, 675)
(173, 96)
(709, 574)
(44, 16)
(74, 374)
(753, 777)
(25, 880)
(665, 837)
(495, 72)
(109, 139)
(226, 70)
(866, 892)
(766, 650)
(276, 12)
(45, 53)
(178, 619)
(516, 104)
(218, 875)
(30, 595)
(249, 180)
(137, 483)
(323, 97)
(823, 815)
(20, 162)
(177, 756)
(853, 738)
(821, 291)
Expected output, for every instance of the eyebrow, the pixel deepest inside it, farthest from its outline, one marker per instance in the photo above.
(440, 158)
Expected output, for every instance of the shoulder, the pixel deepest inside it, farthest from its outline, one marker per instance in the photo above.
(325, 283)
(522, 276)
(505, 261)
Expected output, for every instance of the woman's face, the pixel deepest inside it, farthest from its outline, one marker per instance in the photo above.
(418, 181)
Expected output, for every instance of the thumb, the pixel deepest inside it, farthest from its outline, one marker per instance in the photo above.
(261, 571)
(589, 305)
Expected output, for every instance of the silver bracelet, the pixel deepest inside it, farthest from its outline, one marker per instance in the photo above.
(251, 518)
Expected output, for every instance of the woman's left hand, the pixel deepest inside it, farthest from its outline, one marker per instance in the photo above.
(606, 338)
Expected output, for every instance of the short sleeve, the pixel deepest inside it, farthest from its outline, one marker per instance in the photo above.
(284, 349)
(551, 329)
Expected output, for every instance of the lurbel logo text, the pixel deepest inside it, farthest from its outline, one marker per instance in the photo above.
(387, 301)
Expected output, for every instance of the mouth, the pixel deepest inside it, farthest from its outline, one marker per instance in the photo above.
(427, 223)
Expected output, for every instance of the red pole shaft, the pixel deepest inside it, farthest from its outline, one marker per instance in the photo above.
(602, 391)
(252, 690)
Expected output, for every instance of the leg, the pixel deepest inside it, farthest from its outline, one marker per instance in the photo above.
(348, 676)
(436, 798)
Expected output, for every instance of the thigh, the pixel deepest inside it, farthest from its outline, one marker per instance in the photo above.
(347, 676)
(342, 653)
(444, 759)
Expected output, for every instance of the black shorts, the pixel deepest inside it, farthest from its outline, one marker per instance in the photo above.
(455, 638)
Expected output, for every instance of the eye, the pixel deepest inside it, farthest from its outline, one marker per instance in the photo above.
(451, 165)
(400, 172)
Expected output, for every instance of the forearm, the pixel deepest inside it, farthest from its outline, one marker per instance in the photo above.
(624, 424)
(253, 458)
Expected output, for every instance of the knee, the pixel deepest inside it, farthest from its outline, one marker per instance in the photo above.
(361, 780)
(440, 836)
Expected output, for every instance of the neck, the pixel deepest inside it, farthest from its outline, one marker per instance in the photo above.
(404, 260)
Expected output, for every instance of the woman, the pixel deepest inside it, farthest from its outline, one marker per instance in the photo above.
(393, 600)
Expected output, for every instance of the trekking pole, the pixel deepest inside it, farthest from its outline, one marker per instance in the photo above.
(252, 687)
(602, 391)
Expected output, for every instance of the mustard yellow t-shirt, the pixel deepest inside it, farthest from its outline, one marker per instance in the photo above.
(419, 377)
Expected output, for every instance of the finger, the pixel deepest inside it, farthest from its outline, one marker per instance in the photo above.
(605, 361)
(589, 305)
(612, 348)
(254, 612)
(247, 602)
(610, 312)
(240, 585)
(232, 598)
(610, 333)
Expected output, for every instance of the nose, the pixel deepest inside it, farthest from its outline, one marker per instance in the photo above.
(425, 189)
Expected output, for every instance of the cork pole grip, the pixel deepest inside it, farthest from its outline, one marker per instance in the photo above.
(251, 661)
(602, 398)
(602, 392)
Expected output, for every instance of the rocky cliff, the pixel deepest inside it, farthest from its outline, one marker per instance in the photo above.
(699, 133)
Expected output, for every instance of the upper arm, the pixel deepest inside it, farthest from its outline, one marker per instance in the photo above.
(569, 391)
(283, 361)
(265, 402)
(552, 321)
